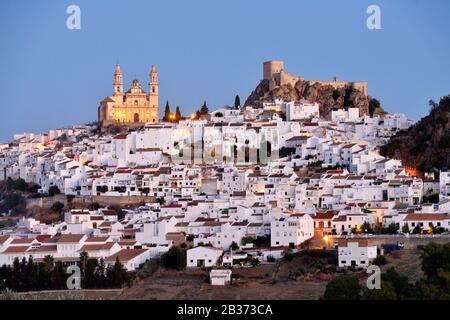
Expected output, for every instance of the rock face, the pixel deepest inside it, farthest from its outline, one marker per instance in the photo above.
(326, 96)
(424, 147)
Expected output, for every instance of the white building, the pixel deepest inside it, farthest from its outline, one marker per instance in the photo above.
(355, 252)
(300, 110)
(203, 257)
(220, 277)
(291, 231)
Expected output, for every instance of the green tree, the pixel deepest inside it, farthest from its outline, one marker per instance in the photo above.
(58, 276)
(379, 261)
(374, 104)
(391, 229)
(53, 190)
(237, 101)
(247, 240)
(400, 283)
(57, 206)
(14, 202)
(177, 114)
(31, 275)
(95, 206)
(387, 292)
(262, 241)
(424, 290)
(90, 279)
(405, 228)
(101, 274)
(435, 257)
(16, 282)
(366, 228)
(234, 246)
(45, 270)
(20, 185)
(175, 258)
(167, 112)
(118, 274)
(288, 255)
(343, 288)
(417, 230)
(34, 188)
(84, 257)
(204, 109)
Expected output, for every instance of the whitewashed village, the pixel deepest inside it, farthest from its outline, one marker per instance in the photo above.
(235, 188)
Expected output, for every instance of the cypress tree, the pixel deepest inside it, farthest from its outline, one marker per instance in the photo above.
(118, 275)
(237, 101)
(167, 112)
(204, 109)
(178, 114)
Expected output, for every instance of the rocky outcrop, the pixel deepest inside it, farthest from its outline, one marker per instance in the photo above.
(424, 147)
(326, 96)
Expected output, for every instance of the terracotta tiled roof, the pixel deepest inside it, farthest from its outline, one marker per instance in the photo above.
(425, 217)
(3, 239)
(16, 249)
(97, 239)
(361, 242)
(96, 247)
(324, 215)
(44, 249)
(22, 241)
(70, 238)
(125, 255)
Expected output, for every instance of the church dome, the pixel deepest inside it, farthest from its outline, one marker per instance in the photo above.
(136, 87)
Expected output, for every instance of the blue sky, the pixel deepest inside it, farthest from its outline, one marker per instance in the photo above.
(212, 50)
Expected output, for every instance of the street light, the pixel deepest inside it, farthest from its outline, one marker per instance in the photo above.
(326, 238)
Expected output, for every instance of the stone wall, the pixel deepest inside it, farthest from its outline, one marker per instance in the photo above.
(411, 241)
(114, 200)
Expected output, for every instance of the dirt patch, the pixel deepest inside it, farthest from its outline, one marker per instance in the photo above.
(261, 283)
(406, 262)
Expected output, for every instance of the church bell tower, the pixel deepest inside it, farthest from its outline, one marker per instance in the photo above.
(153, 88)
(118, 81)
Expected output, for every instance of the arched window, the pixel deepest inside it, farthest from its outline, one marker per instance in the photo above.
(118, 89)
(135, 102)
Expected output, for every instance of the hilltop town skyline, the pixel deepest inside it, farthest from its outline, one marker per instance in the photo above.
(222, 156)
(68, 71)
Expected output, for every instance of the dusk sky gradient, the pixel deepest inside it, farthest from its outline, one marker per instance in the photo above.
(52, 77)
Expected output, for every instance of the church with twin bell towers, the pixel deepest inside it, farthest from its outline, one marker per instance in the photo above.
(133, 106)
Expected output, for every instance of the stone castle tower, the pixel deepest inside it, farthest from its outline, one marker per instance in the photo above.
(274, 72)
(134, 106)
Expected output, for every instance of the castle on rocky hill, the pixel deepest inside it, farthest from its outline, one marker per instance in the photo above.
(274, 72)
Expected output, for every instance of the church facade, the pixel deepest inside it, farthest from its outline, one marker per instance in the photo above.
(133, 106)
